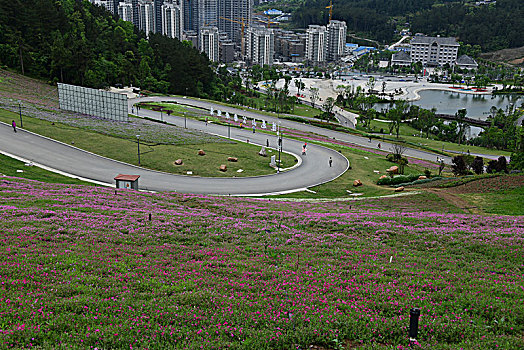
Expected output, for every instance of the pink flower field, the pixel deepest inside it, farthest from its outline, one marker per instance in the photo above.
(84, 268)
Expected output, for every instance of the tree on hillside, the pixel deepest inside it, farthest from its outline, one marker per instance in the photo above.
(461, 123)
(327, 107)
(458, 166)
(314, 95)
(397, 115)
(478, 165)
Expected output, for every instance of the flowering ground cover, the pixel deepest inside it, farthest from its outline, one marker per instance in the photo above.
(83, 267)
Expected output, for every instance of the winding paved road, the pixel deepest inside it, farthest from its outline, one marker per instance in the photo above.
(313, 170)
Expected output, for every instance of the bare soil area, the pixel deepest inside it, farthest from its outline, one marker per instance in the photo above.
(512, 56)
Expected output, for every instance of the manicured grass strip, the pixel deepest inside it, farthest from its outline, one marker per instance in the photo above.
(9, 167)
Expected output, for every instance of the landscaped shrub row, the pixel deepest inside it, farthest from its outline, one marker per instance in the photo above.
(399, 179)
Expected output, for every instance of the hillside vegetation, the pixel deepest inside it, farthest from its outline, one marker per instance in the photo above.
(493, 27)
(75, 42)
(84, 267)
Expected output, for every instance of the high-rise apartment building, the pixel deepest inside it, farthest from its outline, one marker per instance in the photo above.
(125, 10)
(434, 51)
(316, 44)
(205, 14)
(108, 4)
(187, 6)
(231, 15)
(260, 45)
(158, 15)
(146, 16)
(208, 42)
(336, 42)
(172, 19)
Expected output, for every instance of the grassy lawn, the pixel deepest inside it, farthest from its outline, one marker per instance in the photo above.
(361, 169)
(160, 156)
(503, 202)
(9, 167)
(407, 133)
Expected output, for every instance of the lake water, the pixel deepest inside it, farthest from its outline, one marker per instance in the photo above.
(478, 106)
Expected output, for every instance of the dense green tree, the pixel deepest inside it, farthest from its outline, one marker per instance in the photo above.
(75, 42)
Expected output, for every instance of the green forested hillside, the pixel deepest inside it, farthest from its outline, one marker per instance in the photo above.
(75, 42)
(493, 26)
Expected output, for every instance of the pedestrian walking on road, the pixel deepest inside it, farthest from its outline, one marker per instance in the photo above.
(379, 146)
(330, 162)
(14, 125)
(253, 129)
(206, 120)
(304, 150)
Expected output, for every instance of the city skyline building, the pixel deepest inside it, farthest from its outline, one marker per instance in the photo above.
(208, 42)
(316, 44)
(336, 41)
(146, 16)
(205, 14)
(172, 19)
(125, 10)
(231, 14)
(260, 45)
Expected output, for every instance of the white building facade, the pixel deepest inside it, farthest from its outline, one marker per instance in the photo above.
(146, 16)
(173, 19)
(336, 43)
(434, 51)
(316, 44)
(260, 45)
(208, 42)
(125, 11)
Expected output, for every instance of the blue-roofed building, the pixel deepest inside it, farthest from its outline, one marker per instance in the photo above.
(273, 12)
(362, 50)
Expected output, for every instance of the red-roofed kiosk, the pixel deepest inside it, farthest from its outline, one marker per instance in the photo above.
(129, 182)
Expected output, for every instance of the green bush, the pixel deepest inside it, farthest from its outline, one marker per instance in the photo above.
(398, 179)
(418, 182)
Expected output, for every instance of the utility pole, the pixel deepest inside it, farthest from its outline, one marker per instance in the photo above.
(138, 143)
(20, 111)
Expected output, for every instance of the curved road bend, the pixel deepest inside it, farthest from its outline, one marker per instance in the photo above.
(354, 139)
(314, 168)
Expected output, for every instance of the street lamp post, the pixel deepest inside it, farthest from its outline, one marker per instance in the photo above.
(185, 120)
(20, 111)
(228, 129)
(161, 116)
(138, 144)
(279, 146)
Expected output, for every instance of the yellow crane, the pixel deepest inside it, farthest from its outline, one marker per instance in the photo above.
(243, 22)
(268, 21)
(330, 7)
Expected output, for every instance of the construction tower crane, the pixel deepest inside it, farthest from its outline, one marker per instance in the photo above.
(330, 7)
(268, 20)
(242, 21)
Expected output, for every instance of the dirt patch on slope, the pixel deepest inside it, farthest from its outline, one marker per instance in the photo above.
(506, 55)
